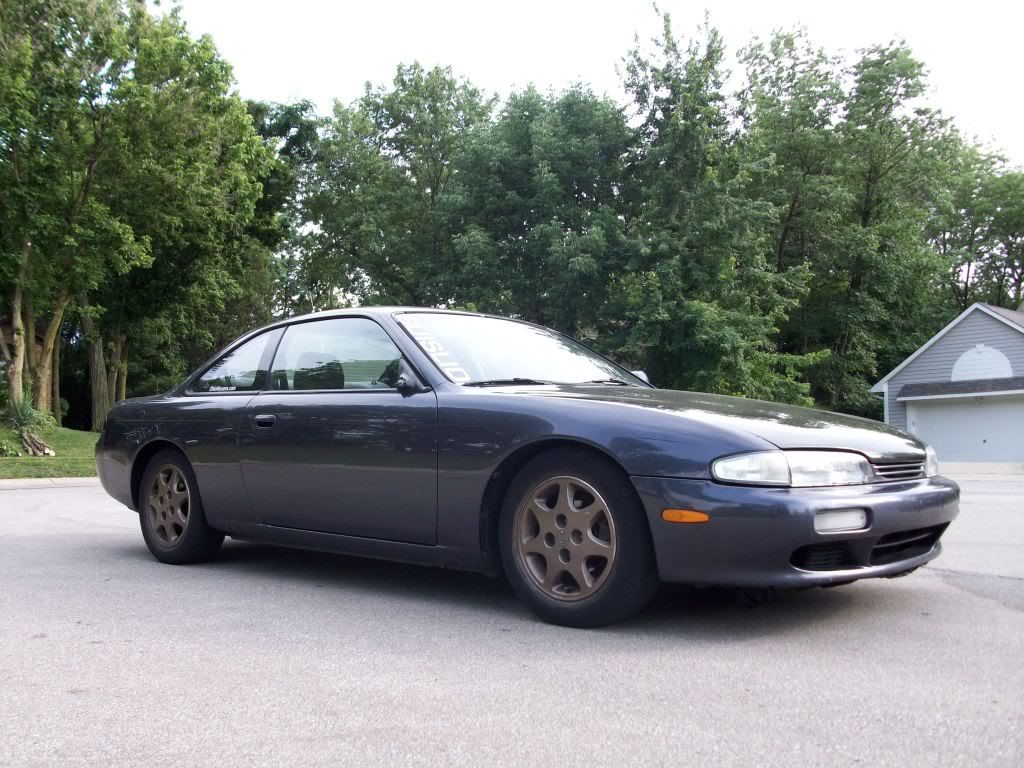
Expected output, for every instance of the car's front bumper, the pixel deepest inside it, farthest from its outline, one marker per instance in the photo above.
(113, 468)
(766, 536)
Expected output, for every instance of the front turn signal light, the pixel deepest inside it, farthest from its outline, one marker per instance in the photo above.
(683, 516)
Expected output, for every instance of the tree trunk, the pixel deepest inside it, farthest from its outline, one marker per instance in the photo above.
(28, 323)
(98, 385)
(122, 371)
(42, 370)
(33, 445)
(115, 355)
(3, 345)
(97, 369)
(16, 369)
(116, 373)
(58, 414)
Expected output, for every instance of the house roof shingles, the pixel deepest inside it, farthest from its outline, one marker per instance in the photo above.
(970, 387)
(1014, 316)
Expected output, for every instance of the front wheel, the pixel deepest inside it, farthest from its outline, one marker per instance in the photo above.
(575, 542)
(171, 512)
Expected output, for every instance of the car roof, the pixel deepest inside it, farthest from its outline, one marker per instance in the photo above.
(378, 311)
(385, 310)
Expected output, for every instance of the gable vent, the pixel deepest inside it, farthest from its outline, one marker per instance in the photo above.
(981, 362)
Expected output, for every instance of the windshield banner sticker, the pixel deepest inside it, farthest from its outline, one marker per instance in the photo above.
(444, 359)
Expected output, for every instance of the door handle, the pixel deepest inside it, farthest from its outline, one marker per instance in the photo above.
(265, 420)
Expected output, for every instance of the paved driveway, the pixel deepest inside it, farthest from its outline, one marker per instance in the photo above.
(275, 657)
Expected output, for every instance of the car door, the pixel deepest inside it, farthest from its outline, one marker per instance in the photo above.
(332, 445)
(205, 422)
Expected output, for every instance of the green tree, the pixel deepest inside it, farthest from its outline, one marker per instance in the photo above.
(537, 199)
(187, 182)
(698, 307)
(379, 202)
(134, 176)
(790, 241)
(291, 132)
(62, 64)
(878, 280)
(1004, 269)
(791, 102)
(961, 227)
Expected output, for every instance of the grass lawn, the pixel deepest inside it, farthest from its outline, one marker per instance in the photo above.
(74, 455)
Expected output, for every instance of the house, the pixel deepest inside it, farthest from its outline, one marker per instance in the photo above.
(963, 390)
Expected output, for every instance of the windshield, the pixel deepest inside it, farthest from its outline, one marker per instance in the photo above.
(472, 350)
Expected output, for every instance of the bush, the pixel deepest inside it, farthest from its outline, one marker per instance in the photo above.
(24, 418)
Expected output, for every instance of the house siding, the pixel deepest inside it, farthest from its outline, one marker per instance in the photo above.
(936, 362)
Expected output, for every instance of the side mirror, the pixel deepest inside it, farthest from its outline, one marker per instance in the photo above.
(408, 382)
(641, 375)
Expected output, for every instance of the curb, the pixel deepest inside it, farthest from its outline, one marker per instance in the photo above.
(28, 483)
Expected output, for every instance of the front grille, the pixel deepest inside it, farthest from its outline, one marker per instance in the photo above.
(833, 556)
(904, 545)
(909, 470)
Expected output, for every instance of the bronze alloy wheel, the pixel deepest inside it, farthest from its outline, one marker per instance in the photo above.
(168, 504)
(565, 538)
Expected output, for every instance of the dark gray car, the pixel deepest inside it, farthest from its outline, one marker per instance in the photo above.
(482, 443)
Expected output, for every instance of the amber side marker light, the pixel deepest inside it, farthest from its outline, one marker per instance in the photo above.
(683, 516)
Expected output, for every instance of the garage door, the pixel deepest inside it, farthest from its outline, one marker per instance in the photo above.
(971, 428)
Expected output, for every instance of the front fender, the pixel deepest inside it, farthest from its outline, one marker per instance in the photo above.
(480, 430)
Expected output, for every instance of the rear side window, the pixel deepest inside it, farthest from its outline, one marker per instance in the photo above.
(341, 353)
(238, 371)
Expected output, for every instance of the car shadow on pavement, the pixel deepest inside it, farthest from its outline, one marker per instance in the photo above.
(724, 612)
(710, 613)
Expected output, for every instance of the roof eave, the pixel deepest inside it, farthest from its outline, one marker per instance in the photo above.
(950, 396)
(878, 386)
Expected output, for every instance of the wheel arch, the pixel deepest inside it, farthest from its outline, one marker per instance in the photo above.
(501, 479)
(142, 458)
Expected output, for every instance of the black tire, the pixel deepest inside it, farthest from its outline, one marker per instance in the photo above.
(193, 542)
(632, 577)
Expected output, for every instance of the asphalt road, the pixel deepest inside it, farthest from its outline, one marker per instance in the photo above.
(274, 657)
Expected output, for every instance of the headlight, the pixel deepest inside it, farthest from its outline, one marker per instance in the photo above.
(811, 468)
(763, 468)
(797, 469)
(931, 462)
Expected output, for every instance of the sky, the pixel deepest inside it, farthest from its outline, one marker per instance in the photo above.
(324, 50)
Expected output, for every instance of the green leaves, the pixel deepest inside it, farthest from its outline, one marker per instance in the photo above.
(127, 163)
(768, 243)
(537, 195)
(183, 174)
(1003, 269)
(791, 241)
(380, 196)
(708, 307)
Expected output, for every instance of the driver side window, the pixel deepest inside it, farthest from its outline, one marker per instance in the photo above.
(338, 354)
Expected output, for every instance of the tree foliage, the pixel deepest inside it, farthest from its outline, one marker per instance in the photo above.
(790, 234)
(130, 174)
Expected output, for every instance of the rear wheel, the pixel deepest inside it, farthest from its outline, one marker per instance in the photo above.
(171, 512)
(574, 540)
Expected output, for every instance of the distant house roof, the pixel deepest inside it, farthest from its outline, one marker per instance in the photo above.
(935, 389)
(1015, 316)
(1010, 317)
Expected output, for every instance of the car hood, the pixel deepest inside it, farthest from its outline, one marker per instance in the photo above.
(785, 426)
